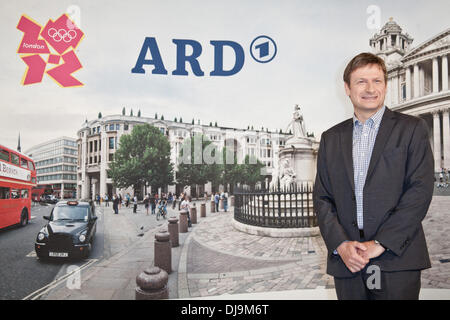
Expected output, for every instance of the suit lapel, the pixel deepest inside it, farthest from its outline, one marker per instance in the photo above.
(346, 147)
(387, 123)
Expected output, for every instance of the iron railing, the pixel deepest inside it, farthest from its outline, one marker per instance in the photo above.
(276, 207)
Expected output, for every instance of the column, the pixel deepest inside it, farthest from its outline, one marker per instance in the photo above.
(408, 83)
(416, 81)
(84, 176)
(388, 97)
(444, 73)
(104, 163)
(437, 141)
(394, 94)
(422, 81)
(435, 75)
(62, 190)
(446, 138)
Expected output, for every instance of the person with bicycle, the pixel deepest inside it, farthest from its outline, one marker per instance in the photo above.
(162, 208)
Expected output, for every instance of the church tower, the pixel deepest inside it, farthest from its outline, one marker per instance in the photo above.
(390, 43)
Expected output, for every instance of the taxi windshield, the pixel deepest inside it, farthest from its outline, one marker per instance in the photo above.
(70, 213)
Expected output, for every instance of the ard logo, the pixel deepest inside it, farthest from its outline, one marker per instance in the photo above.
(262, 49)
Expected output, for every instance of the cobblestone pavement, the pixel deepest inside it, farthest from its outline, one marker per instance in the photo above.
(214, 259)
(437, 230)
(221, 260)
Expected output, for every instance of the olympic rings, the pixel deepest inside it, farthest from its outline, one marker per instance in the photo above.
(62, 34)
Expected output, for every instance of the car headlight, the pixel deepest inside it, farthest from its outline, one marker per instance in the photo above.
(82, 237)
(41, 236)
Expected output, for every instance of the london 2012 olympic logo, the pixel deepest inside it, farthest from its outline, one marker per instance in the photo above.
(58, 39)
(62, 34)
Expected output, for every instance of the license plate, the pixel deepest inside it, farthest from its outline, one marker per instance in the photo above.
(58, 254)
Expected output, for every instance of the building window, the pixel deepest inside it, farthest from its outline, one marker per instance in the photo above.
(95, 159)
(99, 145)
(90, 160)
(111, 142)
(111, 127)
(90, 146)
(125, 126)
(403, 91)
(95, 145)
(111, 157)
(117, 126)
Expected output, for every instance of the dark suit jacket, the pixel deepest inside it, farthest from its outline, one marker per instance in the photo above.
(396, 196)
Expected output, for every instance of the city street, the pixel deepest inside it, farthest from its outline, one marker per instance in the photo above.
(25, 276)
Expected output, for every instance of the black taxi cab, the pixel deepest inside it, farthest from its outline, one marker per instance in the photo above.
(70, 231)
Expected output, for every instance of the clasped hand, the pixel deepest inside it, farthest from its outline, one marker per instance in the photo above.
(357, 254)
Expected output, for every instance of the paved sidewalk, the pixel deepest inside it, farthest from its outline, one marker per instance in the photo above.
(216, 261)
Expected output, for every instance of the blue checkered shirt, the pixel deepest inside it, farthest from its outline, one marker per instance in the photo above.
(364, 135)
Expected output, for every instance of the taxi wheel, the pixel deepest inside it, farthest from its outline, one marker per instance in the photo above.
(88, 250)
(24, 218)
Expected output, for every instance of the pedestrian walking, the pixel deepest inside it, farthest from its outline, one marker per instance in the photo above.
(128, 199)
(216, 201)
(120, 201)
(147, 203)
(135, 203)
(185, 207)
(174, 201)
(153, 203)
(116, 204)
(106, 201)
(225, 201)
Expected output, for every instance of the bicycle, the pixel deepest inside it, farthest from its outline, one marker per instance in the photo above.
(161, 212)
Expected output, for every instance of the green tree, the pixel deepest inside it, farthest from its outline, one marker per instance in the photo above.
(162, 117)
(175, 119)
(131, 112)
(143, 157)
(99, 115)
(156, 116)
(139, 113)
(193, 169)
(181, 120)
(123, 111)
(251, 171)
(193, 121)
(230, 169)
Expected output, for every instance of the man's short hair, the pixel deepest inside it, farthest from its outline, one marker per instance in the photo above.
(362, 60)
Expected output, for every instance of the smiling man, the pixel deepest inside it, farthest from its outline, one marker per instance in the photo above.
(373, 187)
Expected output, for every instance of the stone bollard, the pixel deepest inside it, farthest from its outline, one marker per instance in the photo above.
(163, 251)
(194, 215)
(173, 231)
(213, 206)
(231, 201)
(221, 204)
(183, 222)
(152, 284)
(203, 210)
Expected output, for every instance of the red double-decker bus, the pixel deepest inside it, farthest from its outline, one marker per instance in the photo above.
(40, 190)
(17, 177)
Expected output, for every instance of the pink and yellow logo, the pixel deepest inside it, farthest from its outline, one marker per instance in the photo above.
(58, 39)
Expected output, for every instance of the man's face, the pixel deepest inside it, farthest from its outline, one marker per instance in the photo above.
(367, 88)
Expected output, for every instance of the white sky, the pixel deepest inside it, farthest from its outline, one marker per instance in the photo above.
(315, 40)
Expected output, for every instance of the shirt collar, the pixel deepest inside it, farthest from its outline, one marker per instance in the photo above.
(373, 121)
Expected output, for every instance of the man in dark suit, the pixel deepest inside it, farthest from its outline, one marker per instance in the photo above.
(373, 187)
